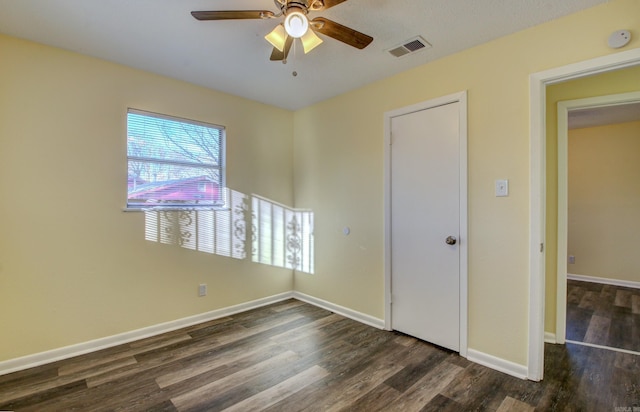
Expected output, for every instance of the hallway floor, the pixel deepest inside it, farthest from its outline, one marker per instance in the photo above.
(603, 315)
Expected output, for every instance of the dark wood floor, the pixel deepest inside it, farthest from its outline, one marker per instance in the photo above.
(604, 315)
(292, 356)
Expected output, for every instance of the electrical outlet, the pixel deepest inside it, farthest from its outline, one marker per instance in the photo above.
(572, 259)
(202, 289)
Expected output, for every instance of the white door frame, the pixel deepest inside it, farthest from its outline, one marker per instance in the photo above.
(461, 98)
(563, 190)
(537, 85)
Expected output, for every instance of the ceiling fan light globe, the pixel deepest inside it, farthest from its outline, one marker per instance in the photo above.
(296, 24)
(310, 41)
(277, 37)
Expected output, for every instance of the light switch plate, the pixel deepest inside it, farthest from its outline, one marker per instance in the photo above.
(502, 187)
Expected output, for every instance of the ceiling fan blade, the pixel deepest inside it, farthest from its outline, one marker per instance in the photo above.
(341, 33)
(232, 14)
(277, 55)
(331, 3)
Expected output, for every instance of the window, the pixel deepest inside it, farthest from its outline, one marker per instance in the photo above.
(173, 163)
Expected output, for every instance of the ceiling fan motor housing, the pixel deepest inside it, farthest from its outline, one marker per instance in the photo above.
(306, 5)
(293, 6)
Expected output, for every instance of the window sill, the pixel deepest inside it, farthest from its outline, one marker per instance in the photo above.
(176, 209)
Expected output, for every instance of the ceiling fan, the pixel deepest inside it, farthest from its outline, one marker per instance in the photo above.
(295, 25)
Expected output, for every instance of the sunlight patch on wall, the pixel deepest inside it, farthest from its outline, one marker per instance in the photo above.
(276, 234)
(221, 232)
(281, 236)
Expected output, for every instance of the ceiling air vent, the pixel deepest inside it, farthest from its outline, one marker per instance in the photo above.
(410, 46)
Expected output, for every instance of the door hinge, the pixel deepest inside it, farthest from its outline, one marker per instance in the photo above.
(541, 247)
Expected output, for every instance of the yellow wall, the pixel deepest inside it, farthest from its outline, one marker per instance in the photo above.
(620, 81)
(338, 171)
(75, 267)
(604, 201)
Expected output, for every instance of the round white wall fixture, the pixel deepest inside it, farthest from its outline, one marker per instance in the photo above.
(346, 230)
(619, 39)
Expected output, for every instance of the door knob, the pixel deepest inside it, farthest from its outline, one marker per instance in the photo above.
(450, 240)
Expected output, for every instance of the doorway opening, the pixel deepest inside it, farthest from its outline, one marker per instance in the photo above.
(538, 83)
(597, 271)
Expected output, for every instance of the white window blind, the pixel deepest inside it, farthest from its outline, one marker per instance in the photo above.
(173, 162)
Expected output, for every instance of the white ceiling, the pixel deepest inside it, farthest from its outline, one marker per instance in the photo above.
(160, 36)
(604, 115)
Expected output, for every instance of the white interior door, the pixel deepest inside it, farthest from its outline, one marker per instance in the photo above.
(425, 224)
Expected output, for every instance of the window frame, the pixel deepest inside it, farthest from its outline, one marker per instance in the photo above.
(220, 168)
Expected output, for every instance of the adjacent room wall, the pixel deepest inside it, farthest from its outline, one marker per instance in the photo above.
(73, 266)
(620, 81)
(604, 201)
(339, 171)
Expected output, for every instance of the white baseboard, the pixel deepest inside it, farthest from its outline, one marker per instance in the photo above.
(550, 337)
(341, 310)
(29, 361)
(605, 281)
(13, 365)
(501, 365)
